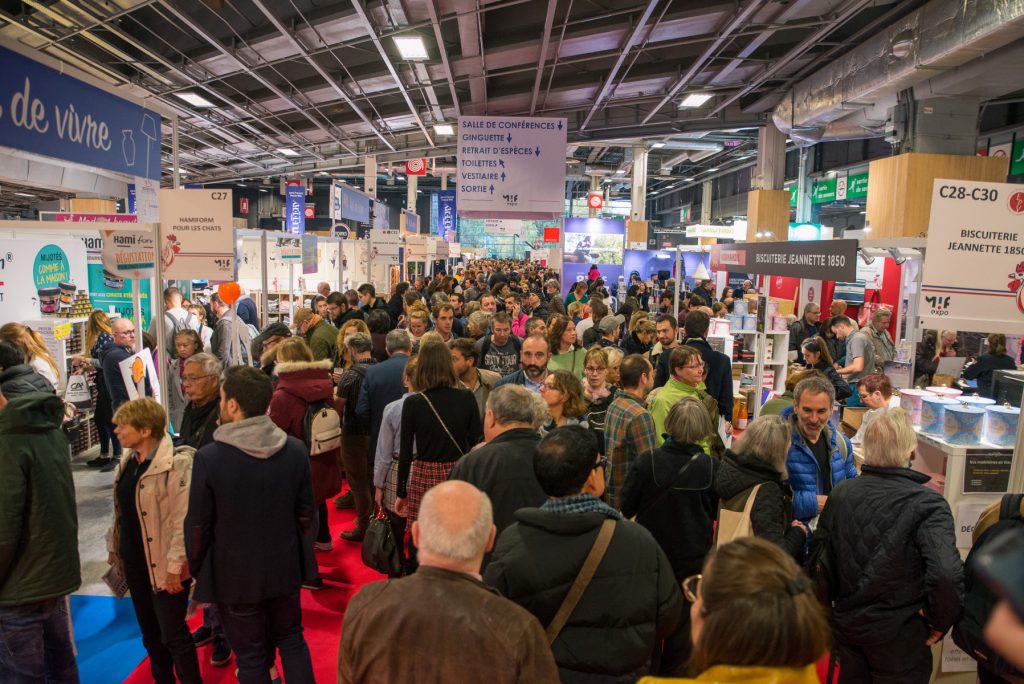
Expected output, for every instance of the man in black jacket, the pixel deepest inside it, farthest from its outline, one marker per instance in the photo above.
(718, 367)
(899, 583)
(633, 600)
(16, 376)
(503, 467)
(805, 328)
(250, 511)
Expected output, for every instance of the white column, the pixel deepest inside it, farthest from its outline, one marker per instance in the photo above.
(770, 170)
(803, 186)
(706, 202)
(638, 196)
(410, 198)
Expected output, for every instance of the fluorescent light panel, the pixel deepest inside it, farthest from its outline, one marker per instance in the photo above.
(411, 47)
(695, 100)
(194, 99)
(23, 194)
(657, 145)
(287, 151)
(444, 129)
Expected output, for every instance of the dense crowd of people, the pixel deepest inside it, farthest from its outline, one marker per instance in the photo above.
(556, 473)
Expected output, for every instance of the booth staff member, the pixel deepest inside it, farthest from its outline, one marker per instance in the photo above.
(860, 354)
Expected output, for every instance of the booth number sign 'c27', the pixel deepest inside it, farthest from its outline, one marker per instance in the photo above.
(974, 261)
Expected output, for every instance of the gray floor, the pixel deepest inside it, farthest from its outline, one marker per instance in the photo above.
(94, 494)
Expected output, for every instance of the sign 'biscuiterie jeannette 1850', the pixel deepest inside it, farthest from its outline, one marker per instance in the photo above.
(511, 167)
(973, 275)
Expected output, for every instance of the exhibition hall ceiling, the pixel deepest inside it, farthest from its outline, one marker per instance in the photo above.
(267, 87)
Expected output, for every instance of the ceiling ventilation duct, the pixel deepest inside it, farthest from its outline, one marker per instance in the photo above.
(942, 35)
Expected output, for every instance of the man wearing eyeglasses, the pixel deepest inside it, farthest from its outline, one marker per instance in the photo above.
(201, 383)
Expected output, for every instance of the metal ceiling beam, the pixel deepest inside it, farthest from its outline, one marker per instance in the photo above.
(844, 13)
(209, 38)
(542, 58)
(299, 48)
(631, 41)
(435, 22)
(372, 32)
(757, 41)
(745, 12)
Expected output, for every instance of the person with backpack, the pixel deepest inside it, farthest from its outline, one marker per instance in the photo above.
(499, 351)
(897, 585)
(303, 389)
(232, 338)
(355, 432)
(979, 598)
(176, 319)
(146, 542)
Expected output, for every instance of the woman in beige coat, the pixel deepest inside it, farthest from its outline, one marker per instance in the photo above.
(147, 539)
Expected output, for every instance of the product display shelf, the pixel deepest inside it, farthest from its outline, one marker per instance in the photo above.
(777, 364)
(277, 304)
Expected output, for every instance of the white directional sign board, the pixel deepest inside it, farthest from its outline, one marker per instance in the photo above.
(511, 167)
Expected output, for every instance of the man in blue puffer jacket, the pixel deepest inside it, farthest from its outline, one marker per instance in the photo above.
(820, 457)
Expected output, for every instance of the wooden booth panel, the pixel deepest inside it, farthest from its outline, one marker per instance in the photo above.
(900, 188)
(93, 205)
(768, 210)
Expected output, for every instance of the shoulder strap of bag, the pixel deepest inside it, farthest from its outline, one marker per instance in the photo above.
(582, 581)
(438, 416)
(663, 490)
(749, 506)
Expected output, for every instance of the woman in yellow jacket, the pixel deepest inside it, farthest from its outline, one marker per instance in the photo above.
(147, 539)
(755, 618)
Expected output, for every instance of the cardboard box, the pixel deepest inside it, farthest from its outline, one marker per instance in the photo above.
(853, 417)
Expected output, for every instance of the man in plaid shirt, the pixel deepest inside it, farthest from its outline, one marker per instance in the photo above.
(629, 427)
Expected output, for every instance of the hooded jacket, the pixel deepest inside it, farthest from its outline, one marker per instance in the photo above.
(22, 379)
(771, 516)
(161, 500)
(322, 339)
(38, 518)
(250, 505)
(299, 383)
(805, 475)
(894, 546)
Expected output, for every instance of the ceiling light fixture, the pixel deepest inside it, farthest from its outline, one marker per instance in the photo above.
(694, 100)
(711, 170)
(287, 151)
(657, 145)
(194, 99)
(411, 47)
(23, 194)
(444, 129)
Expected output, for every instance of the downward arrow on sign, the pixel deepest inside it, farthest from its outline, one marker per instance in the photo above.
(537, 151)
(509, 138)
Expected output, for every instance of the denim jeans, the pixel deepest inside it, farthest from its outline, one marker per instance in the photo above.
(257, 630)
(36, 645)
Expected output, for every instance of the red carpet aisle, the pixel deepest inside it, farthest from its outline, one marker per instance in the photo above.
(322, 611)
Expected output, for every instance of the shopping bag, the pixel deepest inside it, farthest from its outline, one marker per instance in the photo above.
(870, 307)
(380, 549)
(78, 392)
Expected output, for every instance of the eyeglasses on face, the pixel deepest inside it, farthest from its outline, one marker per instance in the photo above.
(691, 587)
(594, 369)
(550, 387)
(126, 333)
(601, 463)
(192, 379)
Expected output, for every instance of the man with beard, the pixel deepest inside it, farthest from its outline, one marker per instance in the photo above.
(478, 381)
(533, 357)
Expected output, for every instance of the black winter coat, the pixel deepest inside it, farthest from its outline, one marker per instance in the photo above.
(718, 369)
(843, 389)
(894, 545)
(772, 514)
(22, 379)
(682, 520)
(633, 345)
(503, 470)
(632, 603)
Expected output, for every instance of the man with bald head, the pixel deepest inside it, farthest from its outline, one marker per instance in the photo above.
(444, 615)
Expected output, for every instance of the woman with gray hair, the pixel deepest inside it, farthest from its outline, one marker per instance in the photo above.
(756, 466)
(897, 584)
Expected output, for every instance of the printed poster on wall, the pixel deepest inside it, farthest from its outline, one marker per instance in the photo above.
(593, 242)
(511, 166)
(198, 235)
(40, 277)
(973, 275)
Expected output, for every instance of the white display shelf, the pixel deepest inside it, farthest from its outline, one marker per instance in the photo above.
(754, 332)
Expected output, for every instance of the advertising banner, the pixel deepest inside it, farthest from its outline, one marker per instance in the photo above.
(51, 113)
(494, 226)
(822, 260)
(295, 208)
(973, 275)
(198, 235)
(355, 206)
(411, 222)
(129, 253)
(381, 217)
(40, 277)
(446, 211)
(593, 242)
(511, 166)
(112, 291)
(309, 259)
(135, 370)
(737, 231)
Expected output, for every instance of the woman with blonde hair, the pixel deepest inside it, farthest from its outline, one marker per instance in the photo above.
(34, 347)
(98, 337)
(353, 325)
(753, 618)
(147, 538)
(598, 392)
(562, 392)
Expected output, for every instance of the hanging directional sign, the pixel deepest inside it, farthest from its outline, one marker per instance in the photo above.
(511, 167)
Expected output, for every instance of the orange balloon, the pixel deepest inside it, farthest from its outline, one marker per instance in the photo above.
(229, 293)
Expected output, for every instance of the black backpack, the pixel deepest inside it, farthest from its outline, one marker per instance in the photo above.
(979, 601)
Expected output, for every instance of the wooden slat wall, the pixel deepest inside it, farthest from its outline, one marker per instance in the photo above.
(768, 210)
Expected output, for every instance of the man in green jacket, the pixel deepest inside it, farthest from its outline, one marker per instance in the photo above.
(39, 563)
(320, 335)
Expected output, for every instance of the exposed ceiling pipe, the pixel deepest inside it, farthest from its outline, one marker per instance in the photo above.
(943, 34)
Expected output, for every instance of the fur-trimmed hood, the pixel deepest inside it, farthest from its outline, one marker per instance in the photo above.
(284, 367)
(305, 380)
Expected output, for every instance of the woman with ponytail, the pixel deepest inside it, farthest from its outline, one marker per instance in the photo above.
(34, 348)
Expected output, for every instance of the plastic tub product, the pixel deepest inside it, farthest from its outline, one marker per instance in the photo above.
(739, 307)
(945, 391)
(779, 323)
(67, 293)
(49, 299)
(980, 402)
(910, 401)
(771, 308)
(749, 322)
(1001, 424)
(963, 424)
(112, 280)
(933, 414)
